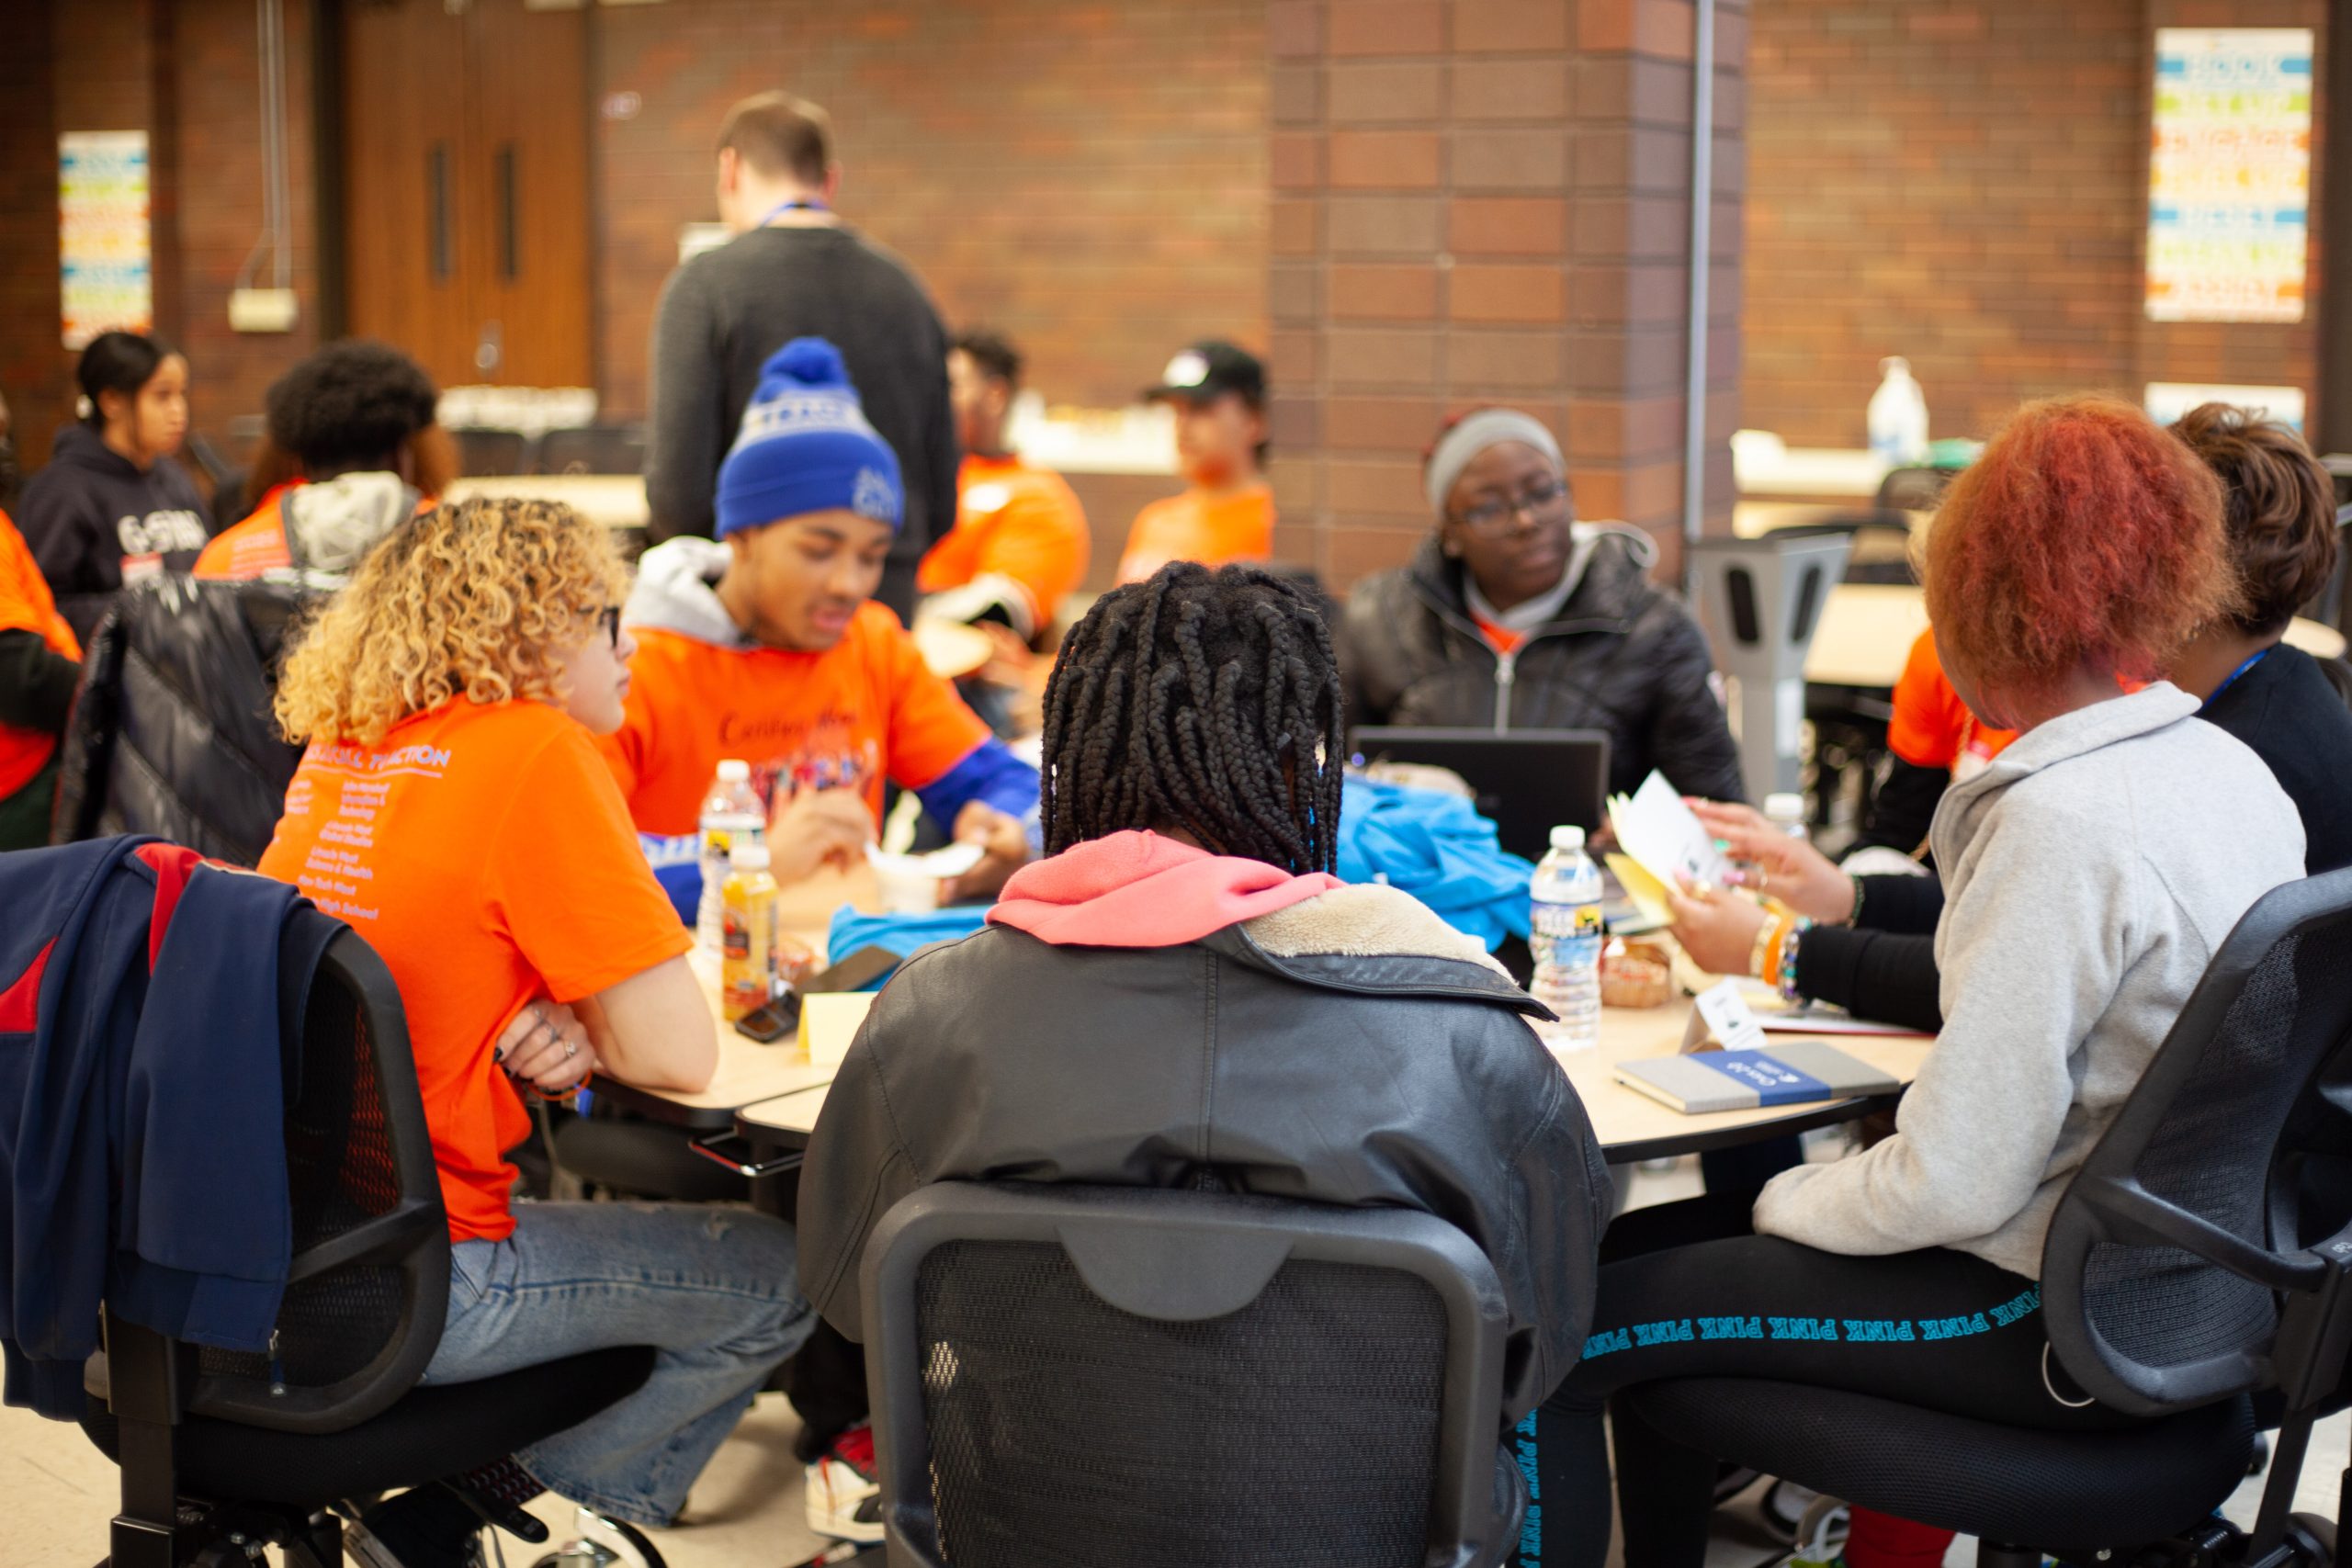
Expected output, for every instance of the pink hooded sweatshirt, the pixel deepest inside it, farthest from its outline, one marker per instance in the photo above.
(1137, 889)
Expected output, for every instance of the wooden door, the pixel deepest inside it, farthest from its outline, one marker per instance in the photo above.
(466, 187)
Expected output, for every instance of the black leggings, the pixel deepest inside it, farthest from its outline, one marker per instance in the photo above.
(1688, 1290)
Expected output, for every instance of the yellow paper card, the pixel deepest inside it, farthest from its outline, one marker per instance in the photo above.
(829, 1021)
(1647, 892)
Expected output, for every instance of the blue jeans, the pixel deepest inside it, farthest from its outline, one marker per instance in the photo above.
(714, 1291)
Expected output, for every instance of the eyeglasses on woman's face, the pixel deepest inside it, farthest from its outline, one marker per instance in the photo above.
(1534, 502)
(608, 620)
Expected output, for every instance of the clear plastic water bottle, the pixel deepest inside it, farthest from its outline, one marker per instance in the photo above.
(1897, 418)
(1786, 813)
(731, 815)
(1565, 918)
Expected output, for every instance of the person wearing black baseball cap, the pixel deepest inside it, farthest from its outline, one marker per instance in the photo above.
(1227, 515)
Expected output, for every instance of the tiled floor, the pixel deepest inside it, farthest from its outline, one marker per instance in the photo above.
(57, 1492)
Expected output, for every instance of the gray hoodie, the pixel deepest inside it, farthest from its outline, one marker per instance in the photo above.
(2089, 872)
(331, 526)
(677, 590)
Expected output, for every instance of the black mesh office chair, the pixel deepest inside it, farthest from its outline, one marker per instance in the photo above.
(215, 1445)
(1079, 1376)
(2199, 1258)
(491, 453)
(592, 449)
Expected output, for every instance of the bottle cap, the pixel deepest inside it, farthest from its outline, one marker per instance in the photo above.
(748, 856)
(1567, 836)
(734, 770)
(1790, 807)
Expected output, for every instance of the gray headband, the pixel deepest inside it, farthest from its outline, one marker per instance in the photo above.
(1488, 428)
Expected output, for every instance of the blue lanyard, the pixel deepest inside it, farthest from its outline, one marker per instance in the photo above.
(2232, 678)
(797, 204)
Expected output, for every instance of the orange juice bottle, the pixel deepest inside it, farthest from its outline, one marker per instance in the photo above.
(747, 967)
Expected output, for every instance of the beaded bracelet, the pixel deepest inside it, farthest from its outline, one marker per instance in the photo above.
(1785, 971)
(1854, 914)
(1759, 956)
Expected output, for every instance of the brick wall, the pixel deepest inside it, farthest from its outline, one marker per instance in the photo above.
(1486, 201)
(219, 174)
(186, 73)
(1965, 184)
(31, 376)
(1089, 178)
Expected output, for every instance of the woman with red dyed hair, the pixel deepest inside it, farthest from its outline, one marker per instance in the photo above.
(2090, 870)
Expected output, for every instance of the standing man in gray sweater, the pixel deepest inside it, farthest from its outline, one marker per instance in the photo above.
(794, 269)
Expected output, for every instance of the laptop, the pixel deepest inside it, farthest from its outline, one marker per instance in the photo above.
(1528, 781)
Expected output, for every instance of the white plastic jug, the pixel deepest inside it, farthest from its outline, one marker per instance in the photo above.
(1898, 416)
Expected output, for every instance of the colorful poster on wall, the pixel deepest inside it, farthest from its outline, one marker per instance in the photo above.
(102, 236)
(2229, 175)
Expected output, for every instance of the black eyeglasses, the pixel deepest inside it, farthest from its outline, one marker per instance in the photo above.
(609, 617)
(1533, 502)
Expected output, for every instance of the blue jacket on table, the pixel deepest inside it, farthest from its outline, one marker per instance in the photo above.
(144, 997)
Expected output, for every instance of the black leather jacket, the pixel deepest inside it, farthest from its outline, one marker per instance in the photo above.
(1624, 656)
(172, 732)
(1388, 1081)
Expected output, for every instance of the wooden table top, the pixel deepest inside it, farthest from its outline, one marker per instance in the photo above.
(749, 1071)
(1630, 1124)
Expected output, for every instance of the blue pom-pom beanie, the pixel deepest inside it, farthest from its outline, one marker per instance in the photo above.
(805, 446)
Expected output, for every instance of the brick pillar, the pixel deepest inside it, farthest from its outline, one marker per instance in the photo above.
(1487, 201)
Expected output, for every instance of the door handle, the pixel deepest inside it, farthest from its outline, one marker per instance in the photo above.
(490, 348)
(436, 212)
(509, 234)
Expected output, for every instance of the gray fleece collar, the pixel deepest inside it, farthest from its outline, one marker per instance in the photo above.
(677, 592)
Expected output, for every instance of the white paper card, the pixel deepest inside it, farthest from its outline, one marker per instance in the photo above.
(1728, 1020)
(1660, 832)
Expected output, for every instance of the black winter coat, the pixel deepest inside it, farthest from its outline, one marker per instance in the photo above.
(1395, 1081)
(91, 512)
(172, 732)
(1624, 658)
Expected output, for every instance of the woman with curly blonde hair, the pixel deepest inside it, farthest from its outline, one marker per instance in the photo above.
(453, 808)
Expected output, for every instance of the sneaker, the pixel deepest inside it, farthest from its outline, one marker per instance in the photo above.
(844, 1500)
(1782, 1509)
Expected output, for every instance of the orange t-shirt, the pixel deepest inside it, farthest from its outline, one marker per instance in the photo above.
(26, 606)
(250, 548)
(1211, 529)
(865, 709)
(1015, 522)
(483, 853)
(1931, 727)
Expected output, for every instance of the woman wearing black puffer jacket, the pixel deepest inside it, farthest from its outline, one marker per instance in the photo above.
(1516, 617)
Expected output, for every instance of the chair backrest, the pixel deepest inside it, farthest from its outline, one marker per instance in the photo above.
(592, 449)
(491, 453)
(1149, 1377)
(1914, 488)
(369, 1284)
(1878, 543)
(2160, 1277)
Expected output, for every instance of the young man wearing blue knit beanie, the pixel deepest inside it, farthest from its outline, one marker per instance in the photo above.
(765, 645)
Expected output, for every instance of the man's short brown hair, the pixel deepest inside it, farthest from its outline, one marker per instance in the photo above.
(779, 135)
(2279, 505)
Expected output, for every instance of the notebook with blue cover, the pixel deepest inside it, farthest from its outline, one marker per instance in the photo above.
(1789, 1072)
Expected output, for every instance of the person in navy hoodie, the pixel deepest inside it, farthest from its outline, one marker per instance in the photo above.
(114, 504)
